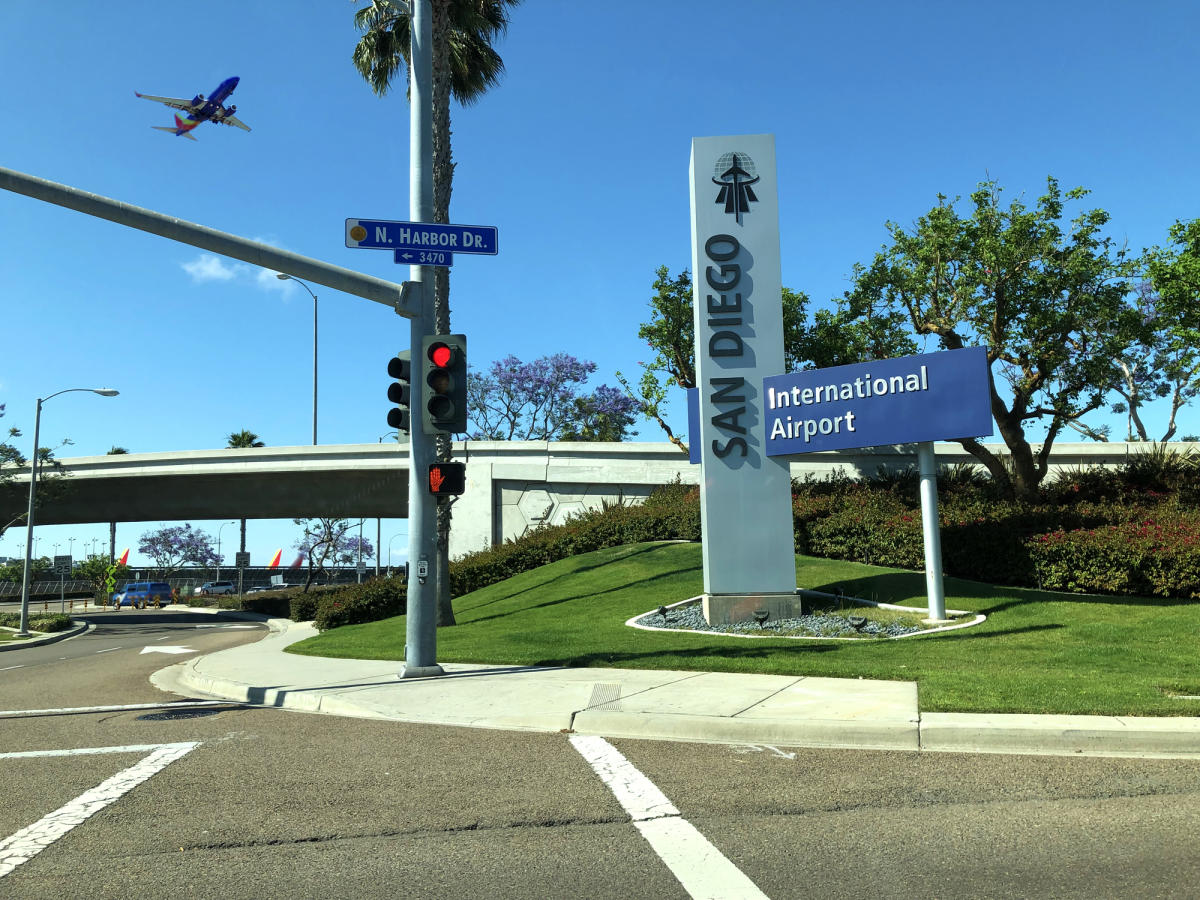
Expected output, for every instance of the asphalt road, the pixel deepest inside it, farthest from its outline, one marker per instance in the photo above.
(267, 803)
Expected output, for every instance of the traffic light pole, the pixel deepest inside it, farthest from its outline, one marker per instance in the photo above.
(420, 651)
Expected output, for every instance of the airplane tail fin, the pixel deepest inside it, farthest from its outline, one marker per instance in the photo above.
(175, 131)
(275, 559)
(124, 558)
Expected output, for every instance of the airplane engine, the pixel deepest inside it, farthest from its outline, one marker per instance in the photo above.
(232, 109)
(199, 98)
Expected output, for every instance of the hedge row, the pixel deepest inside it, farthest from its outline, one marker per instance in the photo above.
(1152, 557)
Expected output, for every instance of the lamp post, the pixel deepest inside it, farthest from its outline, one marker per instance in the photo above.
(282, 277)
(219, 530)
(23, 631)
(392, 538)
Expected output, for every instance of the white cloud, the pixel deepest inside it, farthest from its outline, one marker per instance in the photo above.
(207, 267)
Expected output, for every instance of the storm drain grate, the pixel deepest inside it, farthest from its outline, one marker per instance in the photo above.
(169, 714)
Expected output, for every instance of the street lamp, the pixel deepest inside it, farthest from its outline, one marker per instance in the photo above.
(282, 277)
(23, 631)
(392, 538)
(219, 530)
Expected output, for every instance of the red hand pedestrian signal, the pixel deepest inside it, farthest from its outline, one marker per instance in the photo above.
(447, 479)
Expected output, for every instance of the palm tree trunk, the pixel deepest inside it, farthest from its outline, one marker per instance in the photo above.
(443, 184)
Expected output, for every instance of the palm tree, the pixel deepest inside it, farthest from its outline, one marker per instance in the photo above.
(464, 66)
(243, 440)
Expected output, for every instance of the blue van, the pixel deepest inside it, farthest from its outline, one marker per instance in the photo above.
(140, 594)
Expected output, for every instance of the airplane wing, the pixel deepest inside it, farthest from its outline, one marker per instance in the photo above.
(235, 121)
(173, 102)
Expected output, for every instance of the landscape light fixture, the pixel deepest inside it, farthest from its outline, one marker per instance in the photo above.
(857, 622)
(760, 616)
(662, 611)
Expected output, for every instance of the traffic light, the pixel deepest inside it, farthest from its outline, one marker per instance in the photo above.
(400, 390)
(447, 479)
(444, 362)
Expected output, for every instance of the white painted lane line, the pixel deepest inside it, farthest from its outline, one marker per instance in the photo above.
(6, 668)
(699, 866)
(170, 704)
(167, 649)
(82, 751)
(109, 650)
(33, 839)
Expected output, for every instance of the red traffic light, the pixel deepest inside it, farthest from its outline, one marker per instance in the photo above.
(441, 354)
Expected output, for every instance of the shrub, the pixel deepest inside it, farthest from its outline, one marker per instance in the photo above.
(44, 622)
(303, 607)
(356, 603)
(1151, 557)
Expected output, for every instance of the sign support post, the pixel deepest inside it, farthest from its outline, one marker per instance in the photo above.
(420, 649)
(934, 588)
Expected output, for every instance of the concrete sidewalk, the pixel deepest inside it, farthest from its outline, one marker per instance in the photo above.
(779, 710)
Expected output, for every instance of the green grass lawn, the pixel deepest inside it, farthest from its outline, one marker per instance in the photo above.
(1038, 652)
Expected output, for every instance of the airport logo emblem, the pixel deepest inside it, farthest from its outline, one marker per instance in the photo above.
(734, 174)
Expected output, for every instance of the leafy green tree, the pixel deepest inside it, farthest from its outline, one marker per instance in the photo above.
(94, 569)
(1174, 313)
(464, 66)
(833, 338)
(1047, 299)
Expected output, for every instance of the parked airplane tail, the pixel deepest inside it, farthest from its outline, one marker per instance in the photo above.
(275, 559)
(123, 559)
(299, 560)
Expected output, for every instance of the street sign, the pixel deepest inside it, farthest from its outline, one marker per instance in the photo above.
(241, 559)
(62, 565)
(424, 258)
(371, 234)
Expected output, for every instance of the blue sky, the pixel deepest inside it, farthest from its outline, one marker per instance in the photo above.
(579, 157)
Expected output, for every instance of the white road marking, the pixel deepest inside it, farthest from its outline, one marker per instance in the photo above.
(168, 649)
(171, 704)
(6, 668)
(30, 841)
(226, 626)
(109, 650)
(699, 866)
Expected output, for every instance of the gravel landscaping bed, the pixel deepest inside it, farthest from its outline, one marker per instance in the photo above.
(691, 618)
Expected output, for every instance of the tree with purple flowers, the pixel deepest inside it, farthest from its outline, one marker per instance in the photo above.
(543, 400)
(176, 546)
(330, 542)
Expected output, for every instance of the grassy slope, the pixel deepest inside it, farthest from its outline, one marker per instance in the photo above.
(1038, 652)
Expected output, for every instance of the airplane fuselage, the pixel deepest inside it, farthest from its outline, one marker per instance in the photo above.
(214, 106)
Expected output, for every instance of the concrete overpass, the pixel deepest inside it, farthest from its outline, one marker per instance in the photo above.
(511, 486)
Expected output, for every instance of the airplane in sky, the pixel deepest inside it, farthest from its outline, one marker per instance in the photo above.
(200, 110)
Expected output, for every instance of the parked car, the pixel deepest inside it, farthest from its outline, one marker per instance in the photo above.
(140, 594)
(216, 587)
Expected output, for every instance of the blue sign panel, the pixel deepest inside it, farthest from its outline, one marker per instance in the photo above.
(375, 235)
(424, 258)
(931, 397)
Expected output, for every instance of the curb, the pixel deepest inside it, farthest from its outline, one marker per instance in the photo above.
(79, 628)
(1166, 736)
